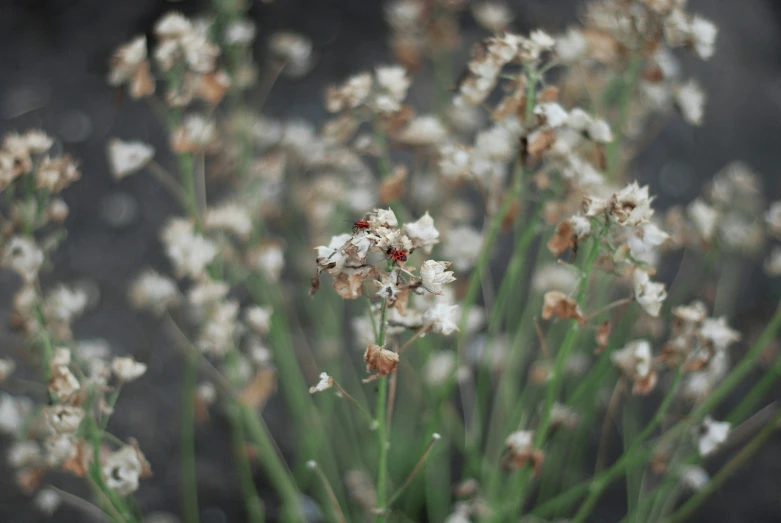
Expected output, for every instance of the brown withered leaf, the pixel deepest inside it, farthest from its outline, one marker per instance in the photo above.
(78, 464)
(381, 361)
(260, 388)
(556, 303)
(392, 187)
(146, 467)
(349, 283)
(548, 94)
(564, 238)
(533, 457)
(603, 336)
(540, 141)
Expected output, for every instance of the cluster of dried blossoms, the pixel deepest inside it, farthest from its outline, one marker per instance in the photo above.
(502, 147)
(64, 428)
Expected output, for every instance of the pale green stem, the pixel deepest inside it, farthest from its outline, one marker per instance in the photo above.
(187, 444)
(382, 429)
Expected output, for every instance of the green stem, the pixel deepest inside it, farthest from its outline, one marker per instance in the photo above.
(382, 429)
(189, 477)
(275, 467)
(252, 501)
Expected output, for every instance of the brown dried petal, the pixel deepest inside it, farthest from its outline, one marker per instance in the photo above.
(142, 84)
(146, 467)
(549, 94)
(556, 303)
(535, 457)
(644, 386)
(259, 389)
(540, 141)
(382, 361)
(603, 336)
(563, 239)
(349, 283)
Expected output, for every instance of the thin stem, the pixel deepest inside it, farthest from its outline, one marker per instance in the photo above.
(81, 504)
(353, 400)
(278, 473)
(434, 438)
(382, 428)
(610, 306)
(252, 501)
(187, 436)
(618, 391)
(423, 330)
(329, 491)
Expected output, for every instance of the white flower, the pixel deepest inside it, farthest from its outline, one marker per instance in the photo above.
(442, 317)
(648, 294)
(6, 368)
(383, 218)
(189, 251)
(64, 419)
(423, 130)
(325, 383)
(47, 501)
(333, 256)
(554, 114)
(128, 369)
(711, 435)
(439, 368)
(152, 291)
(520, 441)
(393, 83)
(229, 217)
(172, 25)
(704, 34)
(493, 16)
(632, 205)
(423, 233)
(463, 244)
(542, 39)
(635, 359)
(434, 275)
(717, 332)
(258, 318)
(126, 158)
(694, 477)
(690, 99)
(64, 304)
(773, 262)
(121, 471)
(554, 277)
(571, 46)
(495, 143)
(295, 50)
(599, 131)
(644, 242)
(239, 32)
(13, 413)
(581, 226)
(454, 160)
(23, 256)
(773, 218)
(704, 217)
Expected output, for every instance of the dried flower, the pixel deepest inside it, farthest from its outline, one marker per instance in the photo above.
(519, 450)
(636, 362)
(64, 419)
(434, 275)
(690, 99)
(712, 434)
(22, 255)
(648, 294)
(129, 66)
(126, 158)
(558, 304)
(443, 318)
(152, 291)
(128, 369)
(326, 382)
(380, 360)
(122, 470)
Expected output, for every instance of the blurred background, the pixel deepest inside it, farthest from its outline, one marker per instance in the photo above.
(53, 63)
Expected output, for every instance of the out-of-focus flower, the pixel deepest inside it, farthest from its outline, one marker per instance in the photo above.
(690, 99)
(229, 217)
(23, 256)
(712, 434)
(295, 50)
(636, 362)
(126, 158)
(558, 304)
(122, 470)
(189, 251)
(492, 15)
(128, 369)
(325, 383)
(152, 291)
(130, 66)
(423, 130)
(443, 318)
(520, 450)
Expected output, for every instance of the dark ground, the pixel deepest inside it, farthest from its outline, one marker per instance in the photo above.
(53, 56)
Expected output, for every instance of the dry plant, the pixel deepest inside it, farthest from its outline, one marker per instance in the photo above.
(457, 302)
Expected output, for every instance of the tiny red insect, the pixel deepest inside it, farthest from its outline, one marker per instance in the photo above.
(396, 254)
(360, 224)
